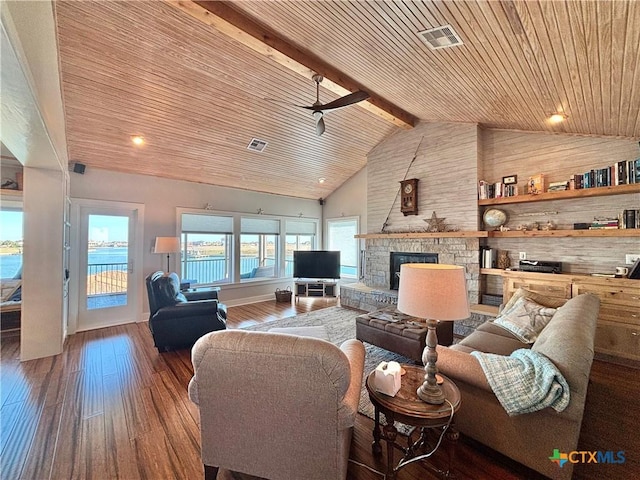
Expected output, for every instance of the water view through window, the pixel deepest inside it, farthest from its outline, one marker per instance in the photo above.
(107, 261)
(10, 243)
(208, 253)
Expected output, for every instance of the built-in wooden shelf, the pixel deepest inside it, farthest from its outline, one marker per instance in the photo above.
(490, 310)
(491, 271)
(614, 232)
(10, 192)
(562, 277)
(566, 194)
(469, 234)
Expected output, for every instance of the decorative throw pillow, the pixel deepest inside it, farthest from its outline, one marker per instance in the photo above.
(525, 319)
(540, 298)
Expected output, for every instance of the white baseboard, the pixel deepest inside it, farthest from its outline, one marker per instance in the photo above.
(248, 300)
(229, 303)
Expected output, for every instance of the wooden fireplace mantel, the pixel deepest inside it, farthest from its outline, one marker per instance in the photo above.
(469, 234)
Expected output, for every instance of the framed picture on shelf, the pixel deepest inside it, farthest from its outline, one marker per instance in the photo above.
(535, 184)
(510, 180)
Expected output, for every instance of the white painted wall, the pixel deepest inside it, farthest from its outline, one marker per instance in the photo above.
(349, 200)
(162, 196)
(33, 129)
(42, 318)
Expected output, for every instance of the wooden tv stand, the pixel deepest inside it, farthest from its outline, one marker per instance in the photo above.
(315, 288)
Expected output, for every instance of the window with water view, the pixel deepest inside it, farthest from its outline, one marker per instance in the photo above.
(206, 257)
(10, 243)
(208, 254)
(107, 261)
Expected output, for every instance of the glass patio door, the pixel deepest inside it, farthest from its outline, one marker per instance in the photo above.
(107, 270)
(341, 234)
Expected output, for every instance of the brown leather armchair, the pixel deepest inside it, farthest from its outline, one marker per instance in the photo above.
(175, 321)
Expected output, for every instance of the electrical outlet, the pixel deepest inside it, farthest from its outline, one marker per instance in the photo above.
(523, 256)
(630, 258)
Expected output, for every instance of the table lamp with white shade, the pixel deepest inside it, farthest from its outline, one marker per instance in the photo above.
(432, 291)
(167, 245)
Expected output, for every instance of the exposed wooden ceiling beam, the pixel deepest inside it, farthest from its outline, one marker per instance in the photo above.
(223, 17)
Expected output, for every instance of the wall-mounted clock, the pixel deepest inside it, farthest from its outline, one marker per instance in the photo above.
(409, 196)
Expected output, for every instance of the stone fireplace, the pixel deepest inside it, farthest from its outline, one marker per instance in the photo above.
(375, 288)
(374, 292)
(398, 258)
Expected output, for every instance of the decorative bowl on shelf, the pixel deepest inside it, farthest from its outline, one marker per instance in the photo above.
(494, 218)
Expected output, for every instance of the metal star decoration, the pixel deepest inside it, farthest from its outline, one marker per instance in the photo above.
(435, 224)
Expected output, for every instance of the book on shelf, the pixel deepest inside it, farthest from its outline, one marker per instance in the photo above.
(482, 190)
(481, 256)
(558, 186)
(488, 190)
(630, 218)
(604, 223)
(578, 181)
(623, 172)
(488, 257)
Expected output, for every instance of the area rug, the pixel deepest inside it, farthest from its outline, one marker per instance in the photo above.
(340, 324)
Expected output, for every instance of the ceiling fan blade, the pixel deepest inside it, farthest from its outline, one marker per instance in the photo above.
(345, 101)
(319, 123)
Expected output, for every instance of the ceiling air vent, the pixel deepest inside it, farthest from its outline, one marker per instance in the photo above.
(440, 37)
(257, 145)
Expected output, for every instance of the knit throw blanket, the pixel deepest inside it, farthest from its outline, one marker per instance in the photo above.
(525, 382)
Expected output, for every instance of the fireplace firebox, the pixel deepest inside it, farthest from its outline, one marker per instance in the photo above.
(398, 258)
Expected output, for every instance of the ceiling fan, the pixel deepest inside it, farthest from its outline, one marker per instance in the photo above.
(319, 109)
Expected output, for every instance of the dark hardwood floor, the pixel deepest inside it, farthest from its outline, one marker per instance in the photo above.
(111, 407)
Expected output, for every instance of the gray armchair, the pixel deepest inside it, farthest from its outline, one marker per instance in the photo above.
(274, 405)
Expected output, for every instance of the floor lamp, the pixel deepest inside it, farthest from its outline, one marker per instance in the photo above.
(167, 245)
(432, 291)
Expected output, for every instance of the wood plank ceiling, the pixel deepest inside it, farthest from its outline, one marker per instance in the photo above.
(199, 96)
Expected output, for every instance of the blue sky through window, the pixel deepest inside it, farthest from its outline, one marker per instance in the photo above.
(108, 228)
(10, 225)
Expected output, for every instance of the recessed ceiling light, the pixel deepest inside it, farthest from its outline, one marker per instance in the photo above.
(558, 117)
(137, 140)
(322, 180)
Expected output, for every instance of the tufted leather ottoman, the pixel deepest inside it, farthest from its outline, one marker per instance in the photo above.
(399, 333)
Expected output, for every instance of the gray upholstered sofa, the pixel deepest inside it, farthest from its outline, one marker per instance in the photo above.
(529, 438)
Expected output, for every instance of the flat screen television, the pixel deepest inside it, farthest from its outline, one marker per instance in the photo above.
(316, 264)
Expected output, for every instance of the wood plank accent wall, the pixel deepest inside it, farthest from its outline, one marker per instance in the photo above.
(578, 255)
(453, 157)
(559, 157)
(446, 165)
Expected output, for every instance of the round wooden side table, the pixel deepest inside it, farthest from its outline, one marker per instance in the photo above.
(405, 407)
